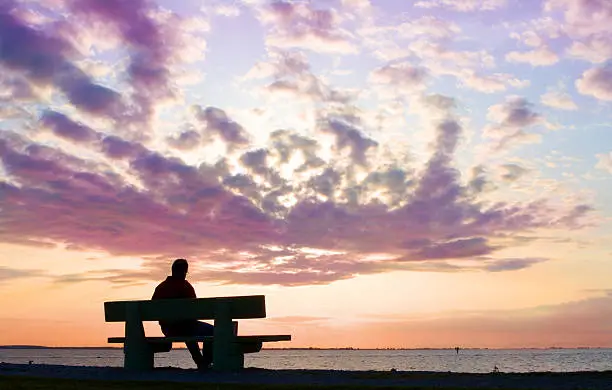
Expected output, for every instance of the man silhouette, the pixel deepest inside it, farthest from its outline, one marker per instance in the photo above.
(176, 286)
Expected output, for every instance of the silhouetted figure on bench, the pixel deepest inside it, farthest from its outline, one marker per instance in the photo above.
(176, 287)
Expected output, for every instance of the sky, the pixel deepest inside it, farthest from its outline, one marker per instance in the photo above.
(388, 173)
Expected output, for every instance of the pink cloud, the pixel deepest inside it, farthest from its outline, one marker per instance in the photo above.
(179, 209)
(596, 82)
(596, 49)
(558, 100)
(401, 75)
(541, 56)
(292, 75)
(302, 25)
(279, 212)
(583, 17)
(462, 5)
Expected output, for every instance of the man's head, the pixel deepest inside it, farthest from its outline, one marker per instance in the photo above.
(179, 268)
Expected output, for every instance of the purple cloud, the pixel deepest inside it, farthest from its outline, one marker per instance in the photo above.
(64, 127)
(118, 148)
(294, 209)
(513, 117)
(404, 76)
(466, 247)
(44, 59)
(217, 123)
(152, 45)
(133, 23)
(305, 26)
(348, 136)
(512, 264)
(186, 140)
(178, 208)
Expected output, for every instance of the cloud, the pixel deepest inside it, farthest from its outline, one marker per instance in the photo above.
(186, 140)
(45, 60)
(15, 89)
(348, 136)
(468, 67)
(492, 83)
(301, 25)
(529, 38)
(541, 56)
(462, 5)
(513, 117)
(512, 264)
(425, 26)
(596, 82)
(403, 76)
(218, 124)
(9, 274)
(64, 127)
(150, 44)
(156, 40)
(597, 49)
(515, 112)
(178, 208)
(560, 100)
(513, 172)
(292, 75)
(315, 191)
(583, 18)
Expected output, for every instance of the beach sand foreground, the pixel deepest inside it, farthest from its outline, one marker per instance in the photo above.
(257, 378)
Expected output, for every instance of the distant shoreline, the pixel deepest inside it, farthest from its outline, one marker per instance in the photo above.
(325, 349)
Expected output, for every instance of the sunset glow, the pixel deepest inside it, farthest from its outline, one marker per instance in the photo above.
(388, 173)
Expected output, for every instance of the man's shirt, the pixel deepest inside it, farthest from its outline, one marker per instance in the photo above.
(174, 288)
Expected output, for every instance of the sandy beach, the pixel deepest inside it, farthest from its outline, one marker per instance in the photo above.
(255, 376)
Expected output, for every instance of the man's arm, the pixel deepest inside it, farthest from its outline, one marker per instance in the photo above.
(190, 291)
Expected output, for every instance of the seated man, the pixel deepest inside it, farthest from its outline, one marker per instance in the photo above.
(175, 287)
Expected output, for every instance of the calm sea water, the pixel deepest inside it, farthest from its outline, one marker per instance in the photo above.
(519, 360)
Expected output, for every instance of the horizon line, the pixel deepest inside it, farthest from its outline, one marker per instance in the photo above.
(26, 346)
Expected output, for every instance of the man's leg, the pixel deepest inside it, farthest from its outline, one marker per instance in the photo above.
(194, 350)
(206, 329)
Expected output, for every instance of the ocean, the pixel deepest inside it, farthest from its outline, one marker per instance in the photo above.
(468, 360)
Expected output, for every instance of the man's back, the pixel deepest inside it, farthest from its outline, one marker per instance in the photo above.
(174, 288)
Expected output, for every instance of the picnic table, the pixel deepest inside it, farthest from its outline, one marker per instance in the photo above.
(228, 347)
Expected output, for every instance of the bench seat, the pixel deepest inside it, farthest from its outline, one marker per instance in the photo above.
(239, 339)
